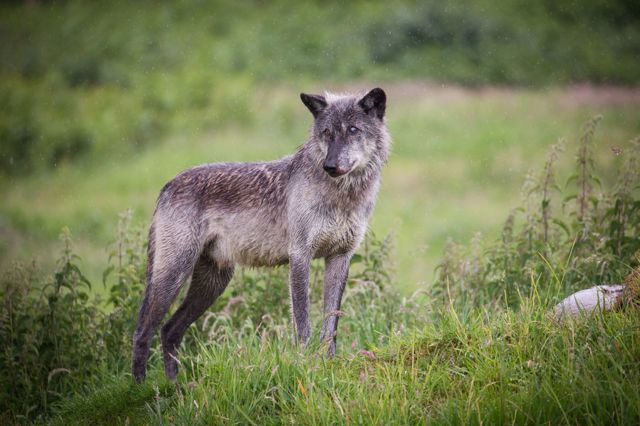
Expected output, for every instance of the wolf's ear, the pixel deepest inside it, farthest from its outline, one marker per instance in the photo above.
(374, 102)
(315, 103)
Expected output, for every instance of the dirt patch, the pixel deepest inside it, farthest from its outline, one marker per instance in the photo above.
(570, 96)
(589, 95)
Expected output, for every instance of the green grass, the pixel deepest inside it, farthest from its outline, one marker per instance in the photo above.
(401, 360)
(504, 368)
(458, 160)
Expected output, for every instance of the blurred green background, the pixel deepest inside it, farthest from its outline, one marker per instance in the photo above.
(103, 102)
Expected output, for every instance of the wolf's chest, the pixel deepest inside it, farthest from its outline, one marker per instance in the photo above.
(337, 233)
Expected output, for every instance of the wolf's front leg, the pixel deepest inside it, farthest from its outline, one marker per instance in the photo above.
(299, 292)
(335, 279)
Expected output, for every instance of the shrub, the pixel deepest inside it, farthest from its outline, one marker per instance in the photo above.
(51, 336)
(57, 333)
(564, 239)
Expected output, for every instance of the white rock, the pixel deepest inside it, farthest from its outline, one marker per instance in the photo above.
(598, 298)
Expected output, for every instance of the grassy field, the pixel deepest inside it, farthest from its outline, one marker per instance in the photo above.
(401, 360)
(459, 159)
(507, 368)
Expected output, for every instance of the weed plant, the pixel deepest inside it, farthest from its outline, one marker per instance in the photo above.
(581, 234)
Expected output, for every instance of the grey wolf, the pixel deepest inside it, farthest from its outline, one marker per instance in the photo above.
(314, 203)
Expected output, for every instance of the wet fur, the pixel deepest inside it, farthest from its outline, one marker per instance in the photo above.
(212, 217)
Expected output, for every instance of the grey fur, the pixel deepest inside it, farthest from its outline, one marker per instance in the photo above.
(312, 204)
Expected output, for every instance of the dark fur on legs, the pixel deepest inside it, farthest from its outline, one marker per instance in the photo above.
(336, 271)
(208, 282)
(167, 269)
(153, 309)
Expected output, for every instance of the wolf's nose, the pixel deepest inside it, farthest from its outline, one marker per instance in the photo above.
(332, 170)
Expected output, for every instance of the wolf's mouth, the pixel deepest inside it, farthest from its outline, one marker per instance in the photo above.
(335, 172)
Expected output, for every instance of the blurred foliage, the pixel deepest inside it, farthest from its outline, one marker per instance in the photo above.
(79, 78)
(565, 238)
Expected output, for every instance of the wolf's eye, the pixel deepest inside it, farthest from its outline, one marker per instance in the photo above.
(353, 130)
(326, 132)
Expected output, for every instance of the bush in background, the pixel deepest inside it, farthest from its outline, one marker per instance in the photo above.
(76, 79)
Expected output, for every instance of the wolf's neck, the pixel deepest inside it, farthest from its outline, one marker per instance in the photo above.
(357, 187)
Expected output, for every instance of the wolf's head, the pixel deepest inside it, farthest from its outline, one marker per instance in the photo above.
(348, 132)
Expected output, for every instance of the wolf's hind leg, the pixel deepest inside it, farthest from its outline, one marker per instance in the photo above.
(167, 270)
(207, 283)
